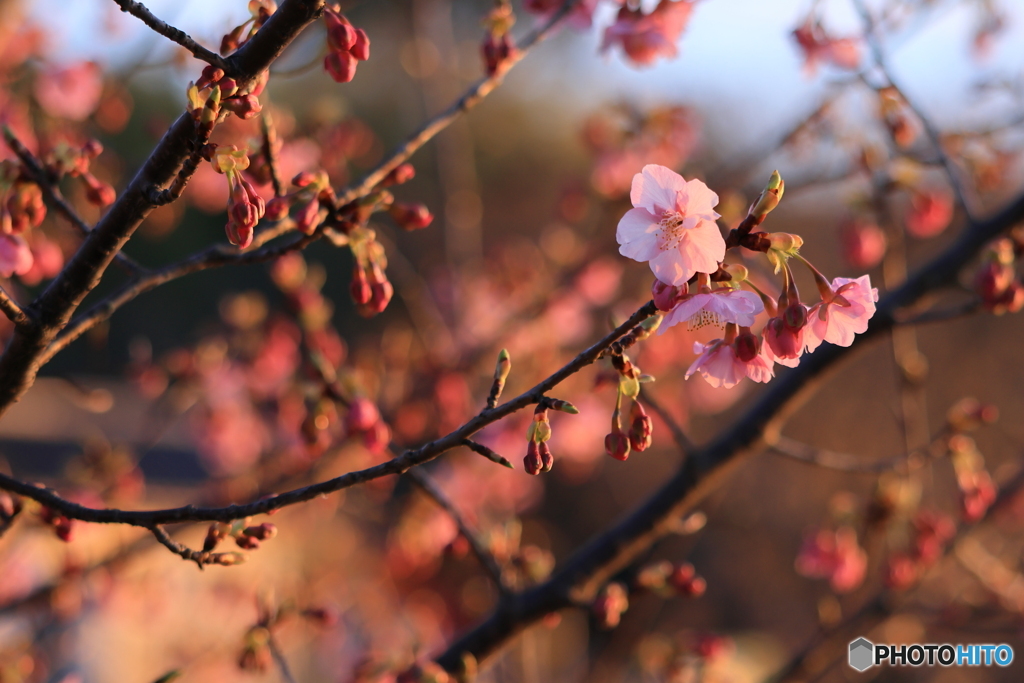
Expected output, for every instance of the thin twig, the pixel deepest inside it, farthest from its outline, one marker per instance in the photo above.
(270, 149)
(833, 460)
(14, 312)
(678, 434)
(469, 99)
(482, 552)
(54, 196)
(178, 36)
(279, 659)
(398, 465)
(934, 137)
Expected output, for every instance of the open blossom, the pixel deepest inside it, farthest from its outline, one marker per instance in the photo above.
(672, 227)
(645, 37)
(715, 308)
(722, 363)
(851, 306)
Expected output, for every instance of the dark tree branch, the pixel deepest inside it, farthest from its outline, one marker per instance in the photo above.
(53, 309)
(581, 576)
(13, 310)
(398, 465)
(427, 484)
(178, 36)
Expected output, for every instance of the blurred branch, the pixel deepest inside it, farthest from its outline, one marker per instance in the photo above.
(12, 310)
(469, 99)
(398, 465)
(944, 314)
(270, 148)
(929, 128)
(27, 350)
(832, 460)
(876, 608)
(178, 36)
(427, 484)
(581, 575)
(680, 437)
(53, 195)
(279, 659)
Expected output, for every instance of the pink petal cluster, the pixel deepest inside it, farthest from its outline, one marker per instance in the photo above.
(833, 555)
(818, 47)
(722, 363)
(847, 313)
(715, 308)
(72, 92)
(672, 226)
(645, 37)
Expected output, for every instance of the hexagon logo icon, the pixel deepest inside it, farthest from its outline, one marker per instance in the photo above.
(862, 654)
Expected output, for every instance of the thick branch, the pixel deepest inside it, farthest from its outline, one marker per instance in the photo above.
(398, 465)
(55, 306)
(176, 35)
(580, 577)
(12, 310)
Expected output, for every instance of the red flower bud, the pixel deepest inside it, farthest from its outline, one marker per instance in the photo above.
(748, 345)
(244, 107)
(399, 175)
(308, 216)
(340, 34)
(533, 463)
(411, 216)
(667, 296)
(377, 437)
(360, 287)
(640, 428)
(616, 445)
(277, 208)
(361, 47)
(362, 415)
(341, 66)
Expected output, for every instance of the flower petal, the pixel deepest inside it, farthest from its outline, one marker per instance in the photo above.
(637, 235)
(655, 188)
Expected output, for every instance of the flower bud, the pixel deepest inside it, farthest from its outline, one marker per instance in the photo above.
(666, 297)
(610, 605)
(262, 532)
(360, 287)
(770, 197)
(399, 175)
(411, 216)
(97, 192)
(616, 445)
(307, 218)
(341, 66)
(748, 345)
(362, 415)
(737, 272)
(277, 209)
(340, 34)
(361, 46)
(546, 458)
(533, 463)
(795, 316)
(640, 428)
(244, 107)
(377, 438)
(785, 242)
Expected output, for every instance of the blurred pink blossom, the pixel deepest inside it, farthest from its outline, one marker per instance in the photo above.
(645, 37)
(71, 92)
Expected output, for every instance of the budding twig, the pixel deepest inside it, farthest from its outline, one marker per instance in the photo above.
(487, 453)
(178, 36)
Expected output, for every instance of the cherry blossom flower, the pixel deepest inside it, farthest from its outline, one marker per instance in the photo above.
(817, 47)
(724, 362)
(834, 555)
(645, 37)
(672, 226)
(70, 93)
(930, 213)
(15, 256)
(715, 308)
(846, 313)
(581, 15)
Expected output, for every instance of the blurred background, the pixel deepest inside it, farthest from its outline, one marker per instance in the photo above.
(194, 391)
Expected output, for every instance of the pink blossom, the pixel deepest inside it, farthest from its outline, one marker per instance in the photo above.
(715, 308)
(833, 555)
(819, 47)
(847, 313)
(930, 213)
(70, 93)
(581, 16)
(863, 244)
(645, 37)
(15, 256)
(672, 227)
(720, 365)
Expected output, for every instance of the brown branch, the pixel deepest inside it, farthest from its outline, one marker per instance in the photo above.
(178, 36)
(469, 99)
(397, 465)
(579, 578)
(934, 137)
(26, 351)
(14, 312)
(427, 484)
(279, 659)
(53, 195)
(822, 457)
(269, 151)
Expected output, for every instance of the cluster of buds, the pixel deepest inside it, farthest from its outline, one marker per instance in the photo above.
(247, 536)
(245, 205)
(931, 532)
(311, 200)
(62, 526)
(835, 555)
(997, 282)
(538, 455)
(977, 490)
(896, 115)
(667, 579)
(498, 48)
(619, 443)
(256, 654)
(75, 161)
(21, 200)
(370, 288)
(259, 12)
(346, 46)
(215, 94)
(610, 605)
(364, 420)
